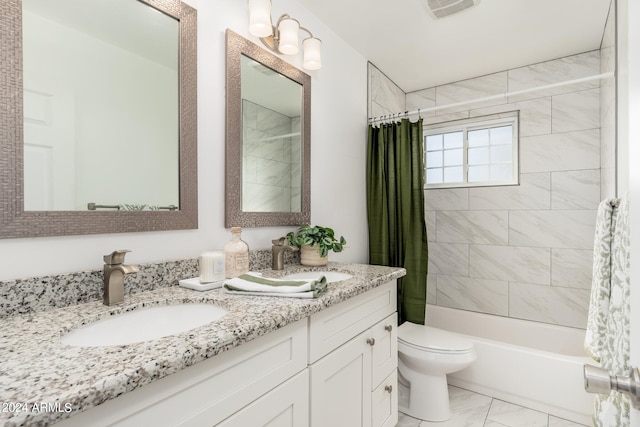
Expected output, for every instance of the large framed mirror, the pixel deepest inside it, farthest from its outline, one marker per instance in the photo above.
(268, 135)
(98, 117)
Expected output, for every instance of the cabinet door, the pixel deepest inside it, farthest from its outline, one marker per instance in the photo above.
(285, 406)
(385, 349)
(341, 386)
(384, 402)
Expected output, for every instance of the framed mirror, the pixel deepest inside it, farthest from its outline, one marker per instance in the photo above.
(268, 143)
(98, 119)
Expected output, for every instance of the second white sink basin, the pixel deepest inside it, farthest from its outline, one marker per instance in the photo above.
(332, 276)
(144, 324)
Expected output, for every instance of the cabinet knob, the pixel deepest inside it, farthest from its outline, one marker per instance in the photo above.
(371, 341)
(388, 328)
(388, 389)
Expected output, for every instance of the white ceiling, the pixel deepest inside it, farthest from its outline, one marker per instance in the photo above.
(417, 51)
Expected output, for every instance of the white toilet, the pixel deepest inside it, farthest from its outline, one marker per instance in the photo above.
(425, 356)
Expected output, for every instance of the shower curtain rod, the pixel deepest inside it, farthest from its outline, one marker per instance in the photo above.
(491, 97)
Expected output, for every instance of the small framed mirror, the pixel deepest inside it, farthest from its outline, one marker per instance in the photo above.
(268, 138)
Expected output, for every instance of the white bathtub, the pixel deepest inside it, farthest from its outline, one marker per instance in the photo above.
(531, 364)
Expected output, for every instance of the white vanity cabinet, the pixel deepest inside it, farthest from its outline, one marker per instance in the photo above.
(353, 362)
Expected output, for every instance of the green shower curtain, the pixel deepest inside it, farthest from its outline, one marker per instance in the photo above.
(395, 210)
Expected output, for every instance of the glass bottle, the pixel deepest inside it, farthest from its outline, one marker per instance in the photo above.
(236, 255)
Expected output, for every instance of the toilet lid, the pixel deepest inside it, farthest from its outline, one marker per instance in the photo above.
(430, 338)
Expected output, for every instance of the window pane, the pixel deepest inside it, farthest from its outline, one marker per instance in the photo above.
(434, 176)
(501, 135)
(500, 172)
(453, 174)
(453, 140)
(478, 156)
(434, 159)
(453, 157)
(478, 173)
(478, 138)
(434, 142)
(501, 154)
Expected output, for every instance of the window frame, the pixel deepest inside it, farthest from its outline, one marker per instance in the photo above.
(470, 124)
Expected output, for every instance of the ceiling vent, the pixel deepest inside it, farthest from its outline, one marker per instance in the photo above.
(442, 8)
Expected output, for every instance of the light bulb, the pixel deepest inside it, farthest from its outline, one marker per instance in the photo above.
(260, 18)
(311, 50)
(288, 43)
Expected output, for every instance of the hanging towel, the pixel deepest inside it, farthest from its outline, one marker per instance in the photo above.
(613, 346)
(601, 282)
(248, 284)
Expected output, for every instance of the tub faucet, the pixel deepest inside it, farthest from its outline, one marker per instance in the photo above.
(114, 271)
(277, 252)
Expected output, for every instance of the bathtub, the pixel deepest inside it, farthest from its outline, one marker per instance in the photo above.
(532, 364)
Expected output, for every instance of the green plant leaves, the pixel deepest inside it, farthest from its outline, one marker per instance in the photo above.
(323, 237)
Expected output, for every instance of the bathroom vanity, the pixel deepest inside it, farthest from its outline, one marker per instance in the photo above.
(268, 361)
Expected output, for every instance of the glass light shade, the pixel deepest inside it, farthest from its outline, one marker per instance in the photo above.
(260, 18)
(312, 58)
(288, 43)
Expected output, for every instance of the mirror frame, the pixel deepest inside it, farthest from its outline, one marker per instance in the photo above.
(15, 222)
(234, 215)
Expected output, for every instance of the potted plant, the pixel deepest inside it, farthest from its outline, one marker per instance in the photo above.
(315, 243)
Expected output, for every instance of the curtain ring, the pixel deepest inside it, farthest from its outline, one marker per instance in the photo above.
(419, 116)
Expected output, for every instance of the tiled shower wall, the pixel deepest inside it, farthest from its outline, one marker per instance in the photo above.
(271, 163)
(521, 251)
(608, 108)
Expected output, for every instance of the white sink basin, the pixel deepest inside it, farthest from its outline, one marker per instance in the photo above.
(144, 324)
(332, 276)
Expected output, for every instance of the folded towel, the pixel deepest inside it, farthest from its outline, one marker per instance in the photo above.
(249, 284)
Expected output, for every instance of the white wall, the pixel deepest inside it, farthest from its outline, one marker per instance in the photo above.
(338, 141)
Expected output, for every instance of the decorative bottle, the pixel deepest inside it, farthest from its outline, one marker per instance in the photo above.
(236, 255)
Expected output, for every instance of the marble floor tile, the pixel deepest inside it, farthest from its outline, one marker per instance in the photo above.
(512, 415)
(471, 409)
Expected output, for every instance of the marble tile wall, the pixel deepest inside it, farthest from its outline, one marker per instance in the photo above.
(522, 251)
(271, 164)
(608, 108)
(385, 97)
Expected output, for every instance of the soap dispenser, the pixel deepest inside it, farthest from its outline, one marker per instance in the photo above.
(236, 255)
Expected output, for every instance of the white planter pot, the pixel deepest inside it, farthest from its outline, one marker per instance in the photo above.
(310, 256)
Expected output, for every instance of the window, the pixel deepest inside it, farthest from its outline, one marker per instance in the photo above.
(473, 152)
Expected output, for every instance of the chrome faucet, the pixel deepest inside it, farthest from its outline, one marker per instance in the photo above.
(277, 252)
(114, 271)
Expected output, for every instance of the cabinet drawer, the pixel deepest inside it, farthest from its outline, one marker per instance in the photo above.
(384, 402)
(210, 391)
(336, 325)
(285, 406)
(385, 349)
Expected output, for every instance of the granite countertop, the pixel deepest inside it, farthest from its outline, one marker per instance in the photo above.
(38, 371)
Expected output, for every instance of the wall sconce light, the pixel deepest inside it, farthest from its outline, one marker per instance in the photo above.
(283, 37)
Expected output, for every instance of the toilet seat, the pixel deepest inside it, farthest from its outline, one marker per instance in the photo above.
(426, 338)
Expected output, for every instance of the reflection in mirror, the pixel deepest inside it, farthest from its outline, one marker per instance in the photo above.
(101, 107)
(271, 143)
(268, 138)
(134, 131)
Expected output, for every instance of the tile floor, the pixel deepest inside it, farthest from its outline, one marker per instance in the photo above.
(471, 409)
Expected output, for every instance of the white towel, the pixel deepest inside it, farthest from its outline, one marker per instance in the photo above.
(608, 328)
(250, 284)
(601, 282)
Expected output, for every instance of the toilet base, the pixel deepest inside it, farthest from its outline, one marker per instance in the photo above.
(425, 399)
